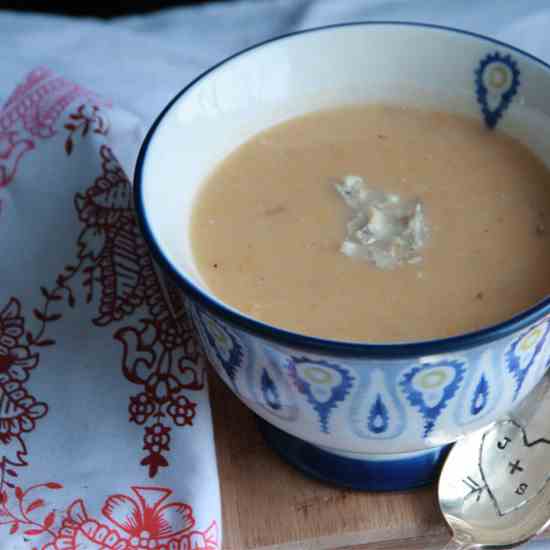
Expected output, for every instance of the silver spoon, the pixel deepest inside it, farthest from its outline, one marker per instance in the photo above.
(494, 489)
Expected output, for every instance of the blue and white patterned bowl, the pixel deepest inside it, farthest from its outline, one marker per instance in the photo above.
(365, 416)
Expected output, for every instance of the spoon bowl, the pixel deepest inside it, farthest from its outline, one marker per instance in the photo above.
(494, 489)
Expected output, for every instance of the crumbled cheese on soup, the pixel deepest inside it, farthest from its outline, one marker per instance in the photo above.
(385, 229)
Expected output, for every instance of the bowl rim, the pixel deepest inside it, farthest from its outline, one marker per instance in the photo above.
(340, 348)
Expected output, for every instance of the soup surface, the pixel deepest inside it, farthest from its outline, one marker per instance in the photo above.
(268, 225)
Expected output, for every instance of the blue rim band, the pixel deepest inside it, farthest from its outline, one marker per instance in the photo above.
(328, 347)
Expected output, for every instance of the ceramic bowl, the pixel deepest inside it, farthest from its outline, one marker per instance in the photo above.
(359, 415)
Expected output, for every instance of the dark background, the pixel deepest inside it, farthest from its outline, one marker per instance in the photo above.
(110, 9)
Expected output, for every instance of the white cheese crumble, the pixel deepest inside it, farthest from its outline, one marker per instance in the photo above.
(385, 229)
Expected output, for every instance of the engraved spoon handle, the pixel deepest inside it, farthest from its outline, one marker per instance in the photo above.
(455, 544)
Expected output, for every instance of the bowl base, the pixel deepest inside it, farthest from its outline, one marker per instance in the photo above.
(389, 472)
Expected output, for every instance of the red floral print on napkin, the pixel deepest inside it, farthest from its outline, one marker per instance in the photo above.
(30, 114)
(143, 521)
(19, 410)
(114, 263)
(116, 269)
(159, 350)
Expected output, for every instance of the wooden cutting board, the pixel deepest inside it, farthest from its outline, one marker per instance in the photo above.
(268, 505)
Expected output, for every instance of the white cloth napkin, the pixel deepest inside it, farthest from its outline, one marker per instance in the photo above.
(105, 429)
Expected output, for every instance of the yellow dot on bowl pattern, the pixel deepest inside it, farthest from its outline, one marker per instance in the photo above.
(432, 379)
(498, 77)
(318, 375)
(530, 339)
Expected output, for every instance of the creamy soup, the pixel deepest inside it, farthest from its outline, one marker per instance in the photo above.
(268, 225)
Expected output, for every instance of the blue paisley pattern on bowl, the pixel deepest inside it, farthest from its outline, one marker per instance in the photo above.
(480, 394)
(270, 387)
(410, 401)
(430, 386)
(324, 384)
(496, 84)
(480, 397)
(223, 347)
(524, 351)
(376, 411)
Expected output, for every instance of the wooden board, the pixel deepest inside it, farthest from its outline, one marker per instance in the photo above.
(268, 505)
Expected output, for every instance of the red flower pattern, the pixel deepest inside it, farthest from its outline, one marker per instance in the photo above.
(19, 410)
(157, 438)
(16, 360)
(30, 113)
(159, 354)
(87, 118)
(144, 521)
(182, 411)
(142, 406)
